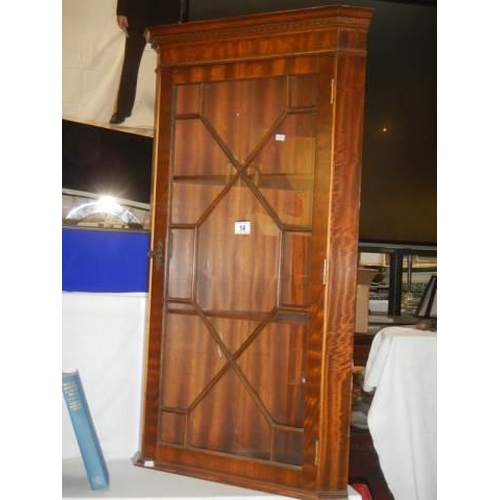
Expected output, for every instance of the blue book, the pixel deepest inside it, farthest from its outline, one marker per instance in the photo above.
(83, 426)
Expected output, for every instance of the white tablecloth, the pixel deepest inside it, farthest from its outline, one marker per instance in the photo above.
(402, 418)
(128, 481)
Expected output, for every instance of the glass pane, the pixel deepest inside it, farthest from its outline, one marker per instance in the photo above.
(303, 91)
(188, 99)
(190, 349)
(192, 198)
(296, 269)
(238, 272)
(180, 274)
(274, 364)
(284, 168)
(173, 427)
(201, 171)
(199, 154)
(241, 427)
(250, 109)
(288, 446)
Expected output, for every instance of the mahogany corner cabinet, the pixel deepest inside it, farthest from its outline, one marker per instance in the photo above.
(254, 249)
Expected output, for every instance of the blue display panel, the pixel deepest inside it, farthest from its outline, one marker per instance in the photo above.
(101, 260)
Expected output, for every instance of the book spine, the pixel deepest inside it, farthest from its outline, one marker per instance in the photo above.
(83, 426)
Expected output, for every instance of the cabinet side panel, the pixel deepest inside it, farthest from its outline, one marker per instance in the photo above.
(342, 258)
(159, 245)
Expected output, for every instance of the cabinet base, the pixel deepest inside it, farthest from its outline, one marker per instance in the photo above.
(239, 481)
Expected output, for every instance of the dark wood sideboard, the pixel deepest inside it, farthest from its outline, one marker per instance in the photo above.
(364, 466)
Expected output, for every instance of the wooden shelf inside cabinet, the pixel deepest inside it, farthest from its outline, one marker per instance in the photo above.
(283, 315)
(255, 218)
(263, 181)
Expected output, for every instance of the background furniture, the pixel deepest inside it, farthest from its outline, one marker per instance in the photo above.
(364, 465)
(402, 370)
(427, 307)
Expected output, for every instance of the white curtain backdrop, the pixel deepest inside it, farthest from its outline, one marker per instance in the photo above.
(103, 337)
(92, 56)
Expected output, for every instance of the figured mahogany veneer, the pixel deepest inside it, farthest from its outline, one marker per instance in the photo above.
(257, 169)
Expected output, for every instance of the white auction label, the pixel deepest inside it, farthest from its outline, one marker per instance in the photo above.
(242, 227)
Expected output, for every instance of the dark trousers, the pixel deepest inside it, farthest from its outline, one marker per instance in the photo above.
(134, 48)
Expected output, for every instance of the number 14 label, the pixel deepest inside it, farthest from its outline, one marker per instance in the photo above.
(242, 227)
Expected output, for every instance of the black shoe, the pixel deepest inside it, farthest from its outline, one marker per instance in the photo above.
(117, 118)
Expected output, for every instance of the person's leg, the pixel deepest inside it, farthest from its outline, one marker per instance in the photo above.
(134, 48)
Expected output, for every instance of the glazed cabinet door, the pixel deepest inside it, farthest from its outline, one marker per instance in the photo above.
(236, 326)
(238, 272)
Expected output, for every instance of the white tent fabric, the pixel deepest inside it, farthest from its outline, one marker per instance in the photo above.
(103, 338)
(92, 56)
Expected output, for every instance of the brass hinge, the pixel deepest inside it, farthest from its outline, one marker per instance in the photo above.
(157, 256)
(316, 452)
(332, 90)
(325, 271)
